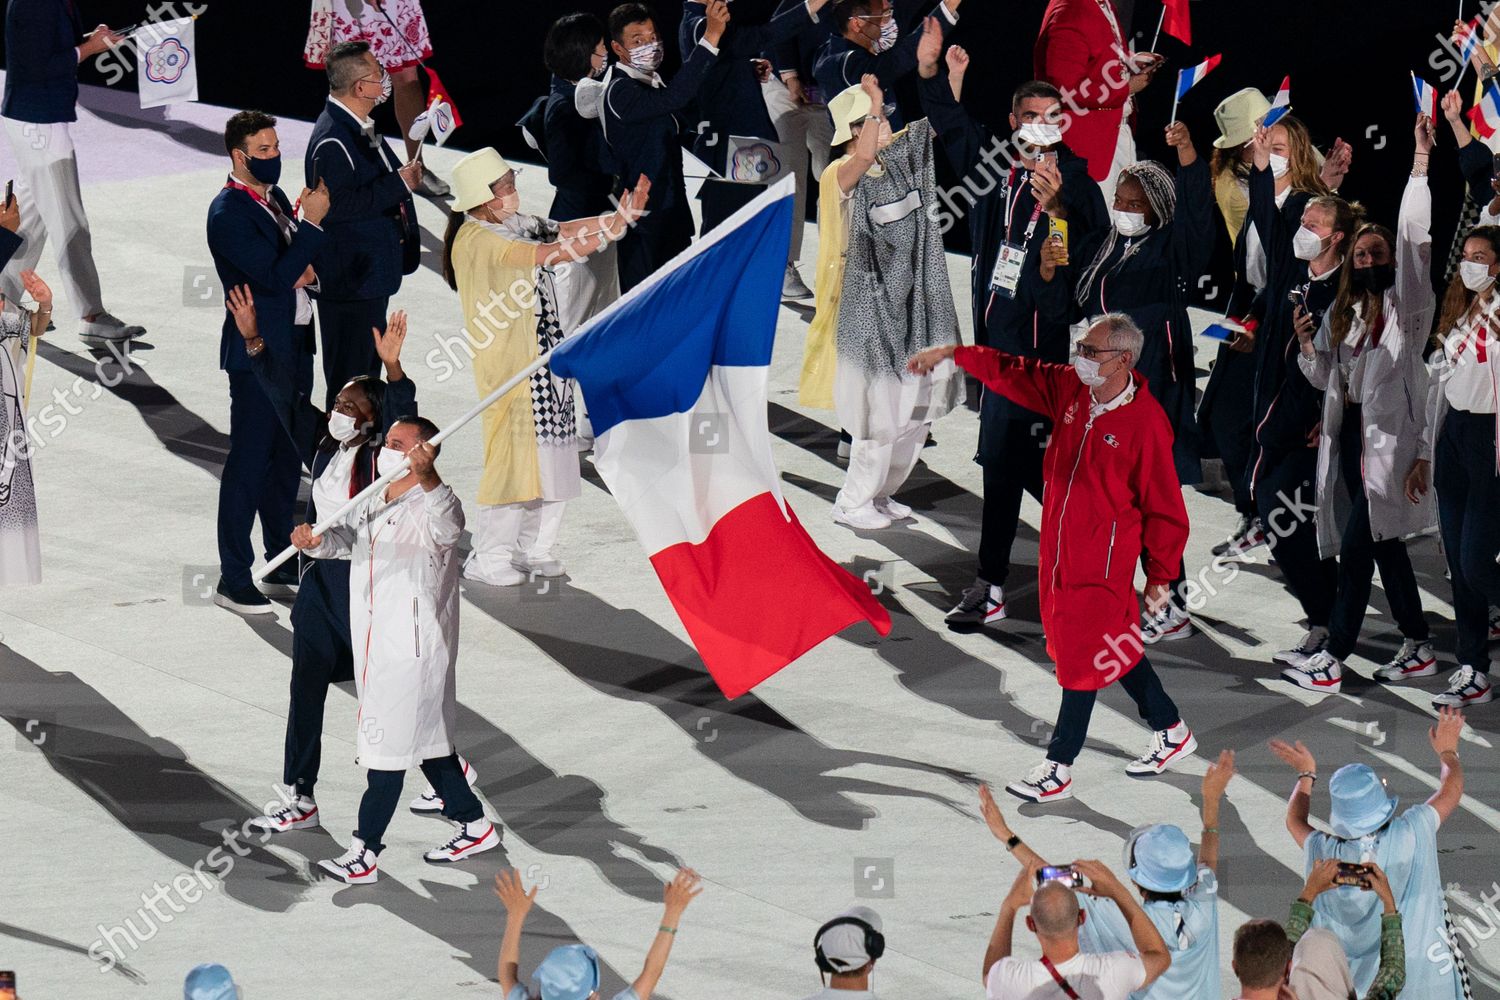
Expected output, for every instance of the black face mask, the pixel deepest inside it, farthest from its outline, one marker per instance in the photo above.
(1375, 279)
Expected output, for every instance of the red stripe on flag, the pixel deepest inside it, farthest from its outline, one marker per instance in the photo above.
(1481, 126)
(436, 89)
(1178, 22)
(758, 592)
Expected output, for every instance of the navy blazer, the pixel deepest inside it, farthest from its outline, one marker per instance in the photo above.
(9, 244)
(840, 64)
(41, 61)
(371, 211)
(248, 250)
(640, 125)
(578, 163)
(730, 100)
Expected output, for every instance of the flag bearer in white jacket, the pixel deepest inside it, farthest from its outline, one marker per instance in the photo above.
(403, 620)
(1367, 357)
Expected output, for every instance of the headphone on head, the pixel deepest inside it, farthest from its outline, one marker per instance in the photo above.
(874, 942)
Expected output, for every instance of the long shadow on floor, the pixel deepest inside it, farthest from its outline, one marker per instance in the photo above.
(625, 655)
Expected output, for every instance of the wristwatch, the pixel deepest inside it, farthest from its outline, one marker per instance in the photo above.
(1012, 842)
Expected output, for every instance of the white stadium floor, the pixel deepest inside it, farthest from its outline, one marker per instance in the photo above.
(147, 720)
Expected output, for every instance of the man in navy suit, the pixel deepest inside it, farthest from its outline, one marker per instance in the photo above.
(372, 228)
(44, 43)
(256, 240)
(639, 114)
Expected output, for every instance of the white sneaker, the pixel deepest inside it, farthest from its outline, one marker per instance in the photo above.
(356, 866)
(845, 449)
(430, 803)
(504, 576)
(107, 327)
(1049, 781)
(299, 815)
(1170, 623)
(1322, 671)
(1467, 686)
(1313, 641)
(865, 518)
(793, 288)
(1414, 659)
(893, 509)
(472, 838)
(542, 566)
(1168, 747)
(980, 605)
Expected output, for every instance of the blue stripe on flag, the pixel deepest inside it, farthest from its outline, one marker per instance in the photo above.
(716, 304)
(1185, 81)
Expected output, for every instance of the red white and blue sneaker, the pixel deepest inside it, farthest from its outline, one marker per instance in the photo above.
(299, 814)
(1415, 658)
(980, 605)
(356, 866)
(472, 838)
(1467, 686)
(1168, 748)
(1171, 622)
(1313, 641)
(430, 803)
(1322, 671)
(1049, 781)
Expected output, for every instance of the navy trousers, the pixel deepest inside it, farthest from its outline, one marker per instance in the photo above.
(348, 347)
(1005, 480)
(1077, 708)
(1468, 496)
(652, 242)
(321, 656)
(260, 478)
(383, 795)
(1282, 482)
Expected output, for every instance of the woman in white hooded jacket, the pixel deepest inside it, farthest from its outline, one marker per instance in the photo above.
(1367, 358)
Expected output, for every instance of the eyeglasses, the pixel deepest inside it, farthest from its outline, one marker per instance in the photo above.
(1092, 353)
(876, 18)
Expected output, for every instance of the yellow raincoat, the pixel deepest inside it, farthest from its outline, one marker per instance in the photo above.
(820, 355)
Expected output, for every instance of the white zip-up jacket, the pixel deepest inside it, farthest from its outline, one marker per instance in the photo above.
(403, 622)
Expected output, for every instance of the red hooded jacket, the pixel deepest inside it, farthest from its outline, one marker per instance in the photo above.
(1109, 493)
(1077, 53)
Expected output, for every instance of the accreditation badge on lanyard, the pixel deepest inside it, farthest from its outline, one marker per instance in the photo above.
(1012, 257)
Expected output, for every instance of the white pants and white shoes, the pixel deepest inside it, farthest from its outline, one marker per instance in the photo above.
(515, 542)
(878, 469)
(356, 866)
(429, 803)
(51, 199)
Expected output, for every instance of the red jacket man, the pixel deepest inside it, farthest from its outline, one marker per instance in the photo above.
(1080, 51)
(1110, 500)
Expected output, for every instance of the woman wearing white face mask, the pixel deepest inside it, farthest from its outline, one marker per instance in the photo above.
(524, 284)
(1161, 239)
(1460, 457)
(1366, 357)
(341, 449)
(1224, 411)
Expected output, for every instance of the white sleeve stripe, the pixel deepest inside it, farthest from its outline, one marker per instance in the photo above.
(339, 144)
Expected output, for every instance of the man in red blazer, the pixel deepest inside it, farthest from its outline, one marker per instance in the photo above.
(1082, 52)
(1110, 500)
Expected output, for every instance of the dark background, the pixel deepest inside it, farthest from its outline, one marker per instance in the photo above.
(1349, 61)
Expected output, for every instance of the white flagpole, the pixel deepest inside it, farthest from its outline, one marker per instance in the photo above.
(331, 519)
(1163, 20)
(1176, 96)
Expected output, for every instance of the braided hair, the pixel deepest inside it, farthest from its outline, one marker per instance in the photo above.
(1161, 193)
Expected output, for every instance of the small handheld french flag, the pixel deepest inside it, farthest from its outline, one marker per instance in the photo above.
(1189, 78)
(1485, 116)
(1473, 36)
(1427, 97)
(1280, 106)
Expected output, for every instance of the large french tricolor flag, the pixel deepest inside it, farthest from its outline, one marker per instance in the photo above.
(1189, 78)
(675, 374)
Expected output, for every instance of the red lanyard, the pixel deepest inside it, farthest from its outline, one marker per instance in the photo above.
(1062, 983)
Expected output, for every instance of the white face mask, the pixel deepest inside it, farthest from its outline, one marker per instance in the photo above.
(888, 34)
(1040, 134)
(1475, 276)
(1129, 223)
(388, 460)
(1279, 166)
(646, 57)
(1088, 371)
(342, 427)
(1306, 244)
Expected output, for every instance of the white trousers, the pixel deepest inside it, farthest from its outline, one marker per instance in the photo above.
(1124, 157)
(878, 469)
(513, 532)
(51, 206)
(806, 135)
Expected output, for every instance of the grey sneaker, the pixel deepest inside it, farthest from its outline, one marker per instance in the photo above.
(793, 288)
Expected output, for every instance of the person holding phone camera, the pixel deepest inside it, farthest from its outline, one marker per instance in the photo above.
(1366, 831)
(1319, 966)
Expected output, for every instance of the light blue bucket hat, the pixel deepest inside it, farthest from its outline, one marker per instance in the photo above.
(1361, 804)
(1161, 859)
(569, 972)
